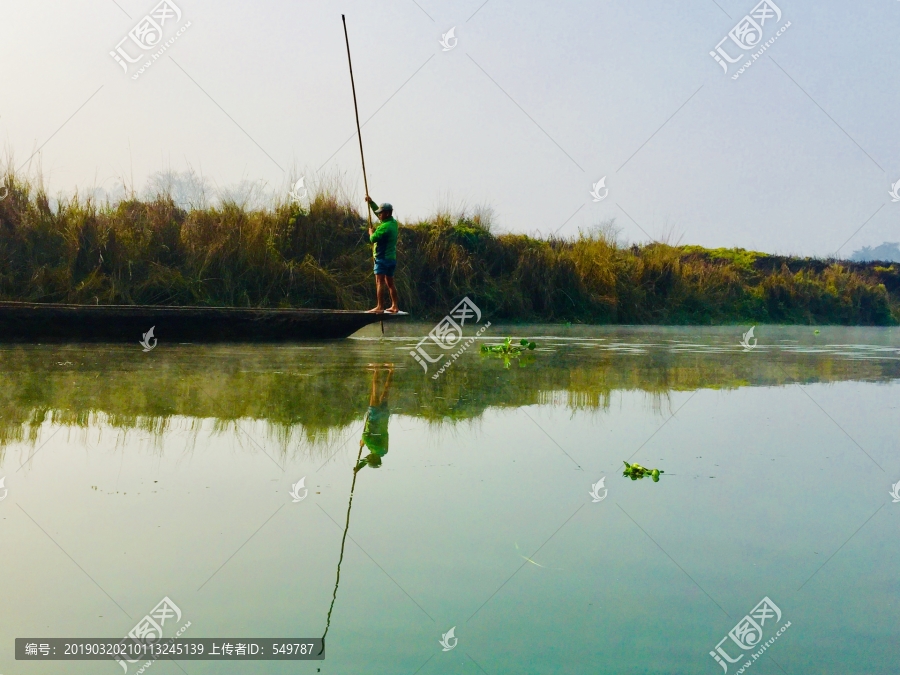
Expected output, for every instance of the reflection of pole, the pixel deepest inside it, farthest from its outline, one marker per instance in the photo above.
(343, 542)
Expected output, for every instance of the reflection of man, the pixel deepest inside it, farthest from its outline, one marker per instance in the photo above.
(375, 432)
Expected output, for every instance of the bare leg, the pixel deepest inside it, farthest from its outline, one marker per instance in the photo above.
(393, 291)
(379, 286)
(373, 397)
(387, 385)
(382, 291)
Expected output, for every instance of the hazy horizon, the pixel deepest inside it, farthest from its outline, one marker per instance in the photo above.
(520, 111)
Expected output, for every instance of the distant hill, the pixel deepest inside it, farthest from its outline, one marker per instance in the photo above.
(888, 251)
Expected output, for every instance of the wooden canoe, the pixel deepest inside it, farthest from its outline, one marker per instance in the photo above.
(47, 322)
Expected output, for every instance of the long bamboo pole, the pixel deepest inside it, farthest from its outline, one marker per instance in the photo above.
(356, 110)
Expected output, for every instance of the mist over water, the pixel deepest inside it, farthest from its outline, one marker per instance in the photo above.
(177, 473)
(676, 457)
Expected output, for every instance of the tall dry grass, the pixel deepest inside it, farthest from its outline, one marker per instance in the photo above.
(151, 251)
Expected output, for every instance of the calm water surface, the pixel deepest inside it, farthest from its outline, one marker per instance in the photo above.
(490, 501)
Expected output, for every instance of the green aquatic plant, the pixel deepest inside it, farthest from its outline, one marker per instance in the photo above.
(636, 471)
(507, 347)
(508, 351)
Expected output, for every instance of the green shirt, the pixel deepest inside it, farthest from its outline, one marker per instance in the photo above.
(375, 433)
(384, 238)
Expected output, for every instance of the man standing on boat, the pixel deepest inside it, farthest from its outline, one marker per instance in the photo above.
(384, 250)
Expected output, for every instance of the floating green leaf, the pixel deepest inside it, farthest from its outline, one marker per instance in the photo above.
(507, 350)
(636, 472)
(507, 347)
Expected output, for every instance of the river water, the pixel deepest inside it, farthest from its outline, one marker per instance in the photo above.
(489, 501)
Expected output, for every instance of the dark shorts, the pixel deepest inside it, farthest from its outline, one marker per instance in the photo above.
(385, 267)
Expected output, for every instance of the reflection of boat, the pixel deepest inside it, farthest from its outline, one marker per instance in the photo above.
(46, 322)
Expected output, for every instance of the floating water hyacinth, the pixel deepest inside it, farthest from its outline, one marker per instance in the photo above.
(507, 347)
(636, 471)
(507, 350)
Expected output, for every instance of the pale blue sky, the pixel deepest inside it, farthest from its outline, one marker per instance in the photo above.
(534, 104)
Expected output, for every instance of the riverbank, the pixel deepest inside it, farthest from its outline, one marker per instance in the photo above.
(317, 256)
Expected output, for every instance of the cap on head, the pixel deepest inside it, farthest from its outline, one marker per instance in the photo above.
(384, 208)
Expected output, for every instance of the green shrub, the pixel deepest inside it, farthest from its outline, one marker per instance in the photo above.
(153, 252)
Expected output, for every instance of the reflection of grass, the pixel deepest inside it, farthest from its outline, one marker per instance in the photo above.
(316, 398)
(153, 252)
